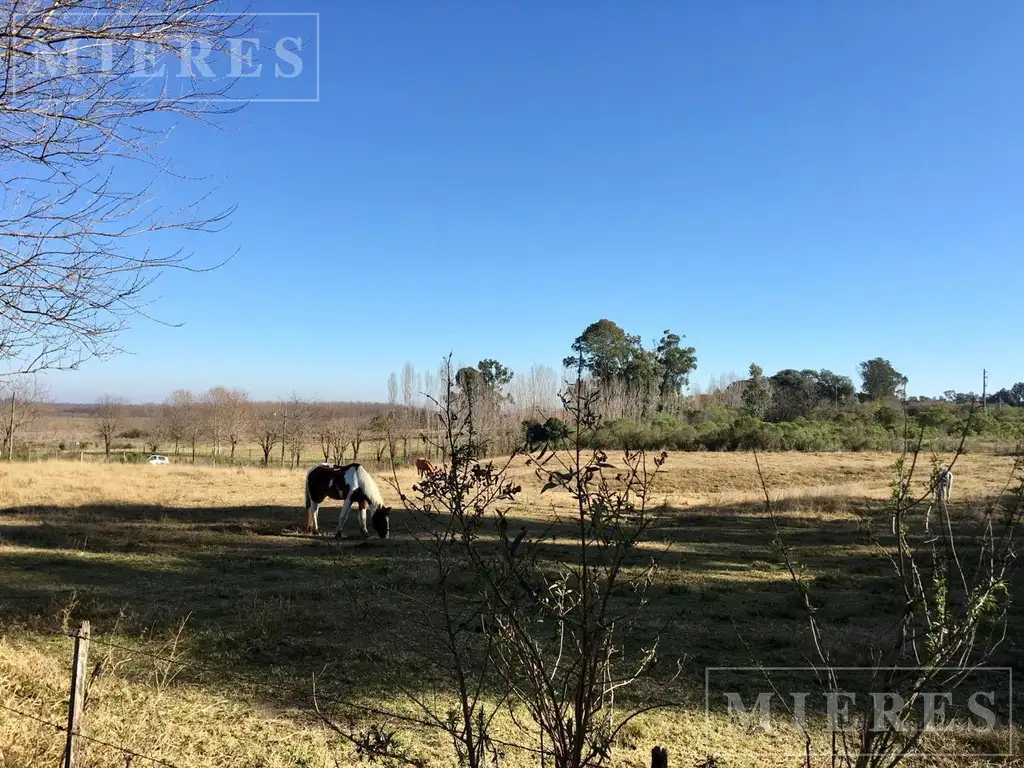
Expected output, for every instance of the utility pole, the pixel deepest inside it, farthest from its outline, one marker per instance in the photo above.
(984, 382)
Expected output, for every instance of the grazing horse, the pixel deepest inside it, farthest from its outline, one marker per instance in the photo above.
(423, 467)
(353, 485)
(943, 484)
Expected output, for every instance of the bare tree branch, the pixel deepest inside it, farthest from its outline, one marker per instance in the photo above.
(78, 118)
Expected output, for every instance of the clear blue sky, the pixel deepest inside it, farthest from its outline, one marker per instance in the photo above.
(800, 184)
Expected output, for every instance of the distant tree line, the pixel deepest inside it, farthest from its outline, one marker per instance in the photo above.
(294, 430)
(643, 405)
(644, 399)
(286, 432)
(1014, 396)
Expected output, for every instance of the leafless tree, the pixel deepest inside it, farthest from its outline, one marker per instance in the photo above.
(537, 390)
(266, 429)
(357, 432)
(332, 431)
(299, 432)
(171, 422)
(225, 416)
(408, 423)
(431, 396)
(20, 399)
(184, 415)
(392, 389)
(382, 427)
(409, 380)
(430, 388)
(323, 428)
(75, 231)
(724, 390)
(237, 419)
(216, 406)
(341, 438)
(109, 415)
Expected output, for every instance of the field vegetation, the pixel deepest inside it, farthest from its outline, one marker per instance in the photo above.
(206, 569)
(646, 401)
(533, 607)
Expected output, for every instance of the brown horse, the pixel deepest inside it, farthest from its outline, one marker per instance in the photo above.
(423, 467)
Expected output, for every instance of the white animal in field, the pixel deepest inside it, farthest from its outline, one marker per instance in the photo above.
(943, 484)
(943, 487)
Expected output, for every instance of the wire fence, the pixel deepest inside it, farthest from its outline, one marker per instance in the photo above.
(221, 672)
(92, 739)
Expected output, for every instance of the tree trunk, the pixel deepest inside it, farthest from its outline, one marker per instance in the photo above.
(10, 431)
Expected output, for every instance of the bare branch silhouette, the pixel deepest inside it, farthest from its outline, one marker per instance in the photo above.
(79, 119)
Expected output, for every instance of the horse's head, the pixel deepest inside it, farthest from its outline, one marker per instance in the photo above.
(381, 521)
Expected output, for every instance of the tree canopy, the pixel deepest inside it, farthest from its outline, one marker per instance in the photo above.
(613, 356)
(495, 375)
(835, 389)
(1013, 396)
(757, 395)
(605, 350)
(880, 379)
(676, 361)
(485, 383)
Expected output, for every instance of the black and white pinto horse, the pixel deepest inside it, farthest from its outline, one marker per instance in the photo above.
(352, 484)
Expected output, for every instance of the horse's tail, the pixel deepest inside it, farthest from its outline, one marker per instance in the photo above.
(365, 481)
(308, 497)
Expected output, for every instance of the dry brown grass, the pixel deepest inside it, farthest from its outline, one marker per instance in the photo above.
(138, 549)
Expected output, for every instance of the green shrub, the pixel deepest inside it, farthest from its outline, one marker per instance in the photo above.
(866, 427)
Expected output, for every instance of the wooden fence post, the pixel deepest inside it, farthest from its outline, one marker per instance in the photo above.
(77, 698)
(659, 757)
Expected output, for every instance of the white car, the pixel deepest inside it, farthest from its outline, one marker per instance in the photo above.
(155, 459)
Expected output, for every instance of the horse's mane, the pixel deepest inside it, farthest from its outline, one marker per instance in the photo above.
(369, 486)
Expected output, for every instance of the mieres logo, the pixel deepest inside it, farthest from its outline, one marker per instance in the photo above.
(197, 57)
(878, 700)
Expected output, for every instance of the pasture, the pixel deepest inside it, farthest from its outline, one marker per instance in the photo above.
(208, 570)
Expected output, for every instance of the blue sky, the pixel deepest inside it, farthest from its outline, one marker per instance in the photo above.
(797, 184)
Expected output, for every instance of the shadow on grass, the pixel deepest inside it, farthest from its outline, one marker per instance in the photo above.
(263, 599)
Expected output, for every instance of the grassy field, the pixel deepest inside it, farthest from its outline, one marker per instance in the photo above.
(208, 569)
